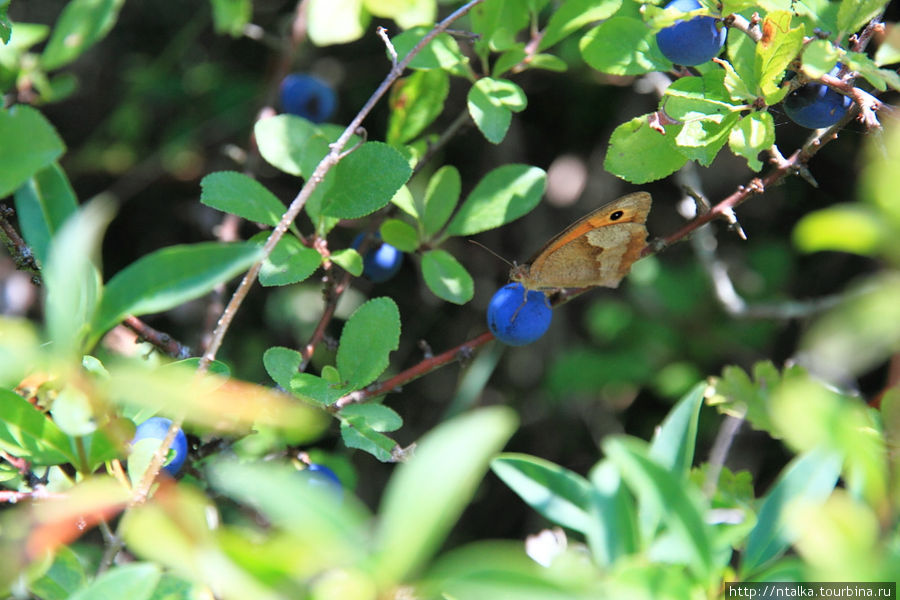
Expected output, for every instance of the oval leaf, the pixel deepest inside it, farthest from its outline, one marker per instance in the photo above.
(502, 196)
(30, 143)
(241, 195)
(169, 277)
(441, 197)
(364, 181)
(623, 46)
(283, 141)
(42, 206)
(448, 279)
(369, 335)
(640, 154)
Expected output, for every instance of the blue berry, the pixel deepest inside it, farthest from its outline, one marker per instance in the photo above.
(308, 97)
(381, 261)
(815, 106)
(691, 42)
(156, 428)
(515, 320)
(322, 477)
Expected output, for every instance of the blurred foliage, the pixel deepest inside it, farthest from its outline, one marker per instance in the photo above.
(118, 117)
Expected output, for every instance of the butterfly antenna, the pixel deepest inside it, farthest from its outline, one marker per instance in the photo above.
(492, 252)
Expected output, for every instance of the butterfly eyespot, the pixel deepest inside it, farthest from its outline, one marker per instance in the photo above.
(616, 215)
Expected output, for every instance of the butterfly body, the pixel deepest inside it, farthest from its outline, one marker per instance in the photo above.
(596, 250)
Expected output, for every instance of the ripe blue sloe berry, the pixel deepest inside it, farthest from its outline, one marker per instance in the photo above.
(815, 106)
(515, 319)
(381, 261)
(308, 97)
(322, 477)
(691, 42)
(156, 428)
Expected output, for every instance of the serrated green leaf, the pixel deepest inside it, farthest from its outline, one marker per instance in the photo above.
(29, 143)
(426, 495)
(363, 182)
(379, 417)
(698, 97)
(357, 434)
(778, 47)
(853, 14)
(702, 139)
(169, 277)
(640, 154)
(441, 197)
(446, 278)
(284, 141)
(623, 46)
(282, 364)
(135, 581)
(667, 495)
(349, 260)
(290, 261)
(442, 52)
(415, 102)
(502, 196)
(573, 15)
(741, 78)
(852, 228)
(81, 24)
(753, 134)
(809, 478)
(317, 390)
(336, 21)
(400, 235)
(230, 16)
(368, 337)
(240, 195)
(819, 57)
(491, 103)
(43, 204)
(27, 432)
(497, 24)
(879, 78)
(556, 493)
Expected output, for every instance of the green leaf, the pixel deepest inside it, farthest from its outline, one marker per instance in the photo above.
(426, 495)
(64, 577)
(230, 16)
(844, 227)
(415, 102)
(778, 47)
(508, 60)
(72, 412)
(623, 46)
(282, 364)
(349, 260)
(43, 204)
(356, 433)
(377, 416)
(739, 396)
(702, 139)
(446, 278)
(698, 97)
(135, 581)
(400, 235)
(572, 15)
(502, 196)
(612, 527)
(363, 182)
(169, 277)
(491, 103)
(497, 23)
(853, 14)
(72, 282)
(442, 52)
(317, 390)
(26, 432)
(369, 335)
(407, 13)
(751, 135)
(667, 495)
(808, 478)
(673, 442)
(881, 79)
(81, 24)
(290, 143)
(336, 21)
(28, 143)
(819, 57)
(241, 195)
(5, 23)
(556, 493)
(640, 154)
(441, 197)
(290, 261)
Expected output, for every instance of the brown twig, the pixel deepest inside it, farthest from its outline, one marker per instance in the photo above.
(162, 341)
